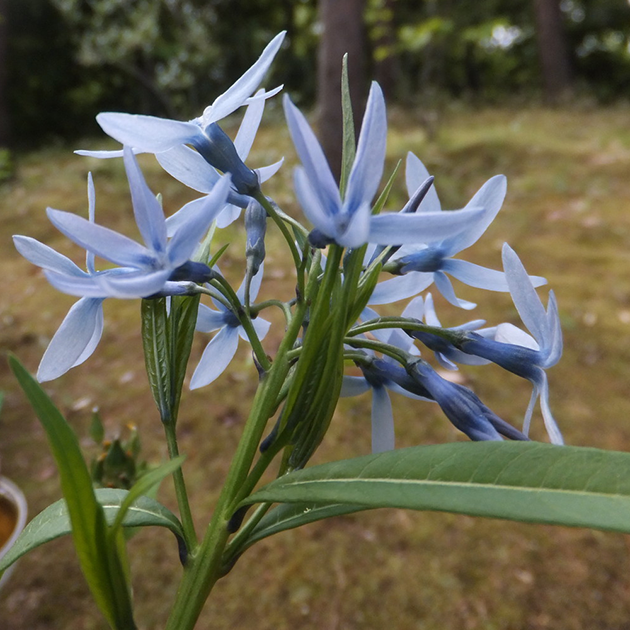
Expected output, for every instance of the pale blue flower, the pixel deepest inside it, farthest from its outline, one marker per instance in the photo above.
(144, 270)
(150, 134)
(81, 330)
(379, 376)
(423, 264)
(516, 351)
(222, 348)
(349, 222)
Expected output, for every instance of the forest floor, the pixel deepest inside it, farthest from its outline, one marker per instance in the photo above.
(567, 214)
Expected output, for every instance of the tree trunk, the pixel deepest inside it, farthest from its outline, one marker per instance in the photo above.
(343, 32)
(386, 66)
(552, 49)
(4, 104)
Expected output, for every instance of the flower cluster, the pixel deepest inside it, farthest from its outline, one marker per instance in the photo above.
(357, 253)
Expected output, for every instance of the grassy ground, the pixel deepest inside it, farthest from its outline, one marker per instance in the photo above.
(568, 216)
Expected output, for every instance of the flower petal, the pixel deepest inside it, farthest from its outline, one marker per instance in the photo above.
(146, 208)
(104, 242)
(444, 286)
(46, 257)
(311, 203)
(236, 95)
(74, 341)
(367, 170)
(400, 287)
(382, 421)
(209, 320)
(82, 286)
(249, 126)
(358, 229)
(415, 175)
(187, 166)
(476, 275)
(267, 172)
(425, 227)
(134, 284)
(148, 133)
(195, 224)
(489, 197)
(525, 298)
(353, 386)
(316, 166)
(216, 357)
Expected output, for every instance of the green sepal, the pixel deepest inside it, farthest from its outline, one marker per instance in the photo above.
(349, 146)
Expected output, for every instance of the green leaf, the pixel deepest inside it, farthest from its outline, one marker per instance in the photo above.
(109, 587)
(348, 148)
(292, 515)
(382, 198)
(529, 482)
(144, 485)
(154, 341)
(54, 521)
(182, 321)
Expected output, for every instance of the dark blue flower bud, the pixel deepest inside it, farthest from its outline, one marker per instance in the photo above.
(220, 152)
(256, 227)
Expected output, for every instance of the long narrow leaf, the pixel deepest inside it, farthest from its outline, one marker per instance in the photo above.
(529, 482)
(86, 515)
(349, 146)
(54, 521)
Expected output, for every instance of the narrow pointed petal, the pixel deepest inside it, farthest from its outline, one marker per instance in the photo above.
(508, 333)
(550, 424)
(254, 287)
(102, 155)
(187, 166)
(249, 126)
(267, 172)
(74, 341)
(148, 133)
(476, 275)
(209, 320)
(400, 287)
(236, 95)
(358, 230)
(353, 386)
(489, 197)
(81, 286)
(382, 421)
(312, 157)
(228, 215)
(264, 95)
(134, 284)
(191, 230)
(184, 215)
(146, 208)
(311, 203)
(425, 227)
(444, 286)
(89, 256)
(415, 174)
(367, 170)
(102, 241)
(46, 257)
(430, 316)
(553, 321)
(261, 326)
(216, 357)
(525, 298)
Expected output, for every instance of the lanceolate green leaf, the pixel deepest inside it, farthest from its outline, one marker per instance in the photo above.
(154, 339)
(292, 515)
(54, 521)
(348, 148)
(528, 482)
(88, 522)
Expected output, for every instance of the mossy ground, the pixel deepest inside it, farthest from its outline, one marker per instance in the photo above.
(568, 216)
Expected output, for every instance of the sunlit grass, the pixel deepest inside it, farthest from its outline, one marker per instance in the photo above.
(568, 216)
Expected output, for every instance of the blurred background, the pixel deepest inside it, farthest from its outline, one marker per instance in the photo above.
(535, 89)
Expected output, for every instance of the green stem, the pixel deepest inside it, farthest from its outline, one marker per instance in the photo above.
(180, 489)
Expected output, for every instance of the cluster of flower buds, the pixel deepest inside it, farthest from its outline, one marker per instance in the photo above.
(340, 260)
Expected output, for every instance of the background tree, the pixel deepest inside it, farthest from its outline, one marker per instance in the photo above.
(342, 32)
(552, 47)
